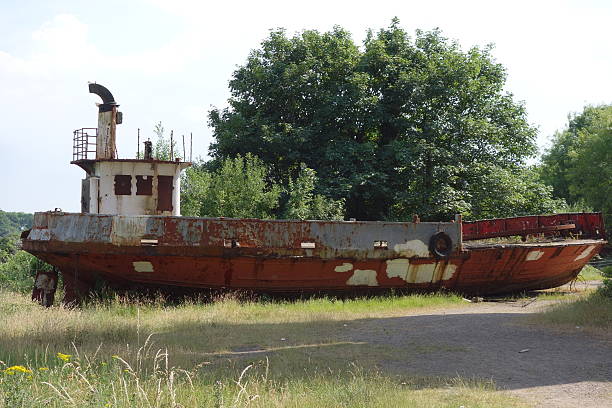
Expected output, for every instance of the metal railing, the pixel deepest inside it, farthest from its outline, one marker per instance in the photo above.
(83, 142)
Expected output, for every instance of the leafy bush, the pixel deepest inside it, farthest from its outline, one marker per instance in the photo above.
(18, 272)
(241, 188)
(606, 289)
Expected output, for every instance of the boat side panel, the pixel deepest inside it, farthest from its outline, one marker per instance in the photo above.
(323, 239)
(501, 270)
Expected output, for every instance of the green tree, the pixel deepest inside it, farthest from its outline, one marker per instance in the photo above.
(195, 184)
(304, 204)
(12, 223)
(393, 129)
(163, 148)
(239, 188)
(578, 165)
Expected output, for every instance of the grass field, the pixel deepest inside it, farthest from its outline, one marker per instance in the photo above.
(115, 353)
(590, 273)
(592, 311)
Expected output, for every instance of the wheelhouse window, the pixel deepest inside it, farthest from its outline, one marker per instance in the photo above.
(123, 184)
(144, 185)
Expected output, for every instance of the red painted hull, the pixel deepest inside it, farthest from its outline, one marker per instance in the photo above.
(482, 270)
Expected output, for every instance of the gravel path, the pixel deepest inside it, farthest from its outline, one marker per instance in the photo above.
(492, 340)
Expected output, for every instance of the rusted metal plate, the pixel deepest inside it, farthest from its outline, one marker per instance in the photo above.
(45, 285)
(322, 239)
(584, 225)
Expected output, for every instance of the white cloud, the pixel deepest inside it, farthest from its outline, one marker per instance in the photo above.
(62, 46)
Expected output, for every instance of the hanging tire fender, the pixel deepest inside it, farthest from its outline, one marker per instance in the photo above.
(440, 245)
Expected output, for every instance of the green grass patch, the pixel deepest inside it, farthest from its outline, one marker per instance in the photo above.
(215, 327)
(592, 311)
(221, 354)
(590, 273)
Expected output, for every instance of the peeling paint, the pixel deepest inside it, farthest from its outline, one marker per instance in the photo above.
(40, 234)
(363, 277)
(422, 273)
(345, 267)
(416, 247)
(398, 268)
(449, 271)
(534, 255)
(143, 266)
(585, 253)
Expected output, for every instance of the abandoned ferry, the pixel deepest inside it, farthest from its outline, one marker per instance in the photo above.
(130, 233)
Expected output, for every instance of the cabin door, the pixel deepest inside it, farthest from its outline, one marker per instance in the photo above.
(164, 193)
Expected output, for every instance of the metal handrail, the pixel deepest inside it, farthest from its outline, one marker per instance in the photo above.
(82, 142)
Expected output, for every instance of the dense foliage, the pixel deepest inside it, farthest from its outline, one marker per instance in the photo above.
(16, 267)
(402, 126)
(241, 188)
(578, 165)
(12, 223)
(18, 270)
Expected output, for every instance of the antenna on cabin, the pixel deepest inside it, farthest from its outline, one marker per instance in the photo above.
(191, 148)
(138, 149)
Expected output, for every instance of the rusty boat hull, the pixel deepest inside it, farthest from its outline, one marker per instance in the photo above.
(309, 256)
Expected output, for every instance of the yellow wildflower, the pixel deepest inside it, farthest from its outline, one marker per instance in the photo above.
(115, 356)
(43, 368)
(17, 369)
(64, 357)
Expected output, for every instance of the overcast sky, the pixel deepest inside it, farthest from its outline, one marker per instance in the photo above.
(170, 60)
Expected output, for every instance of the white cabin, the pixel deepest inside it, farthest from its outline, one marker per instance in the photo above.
(123, 186)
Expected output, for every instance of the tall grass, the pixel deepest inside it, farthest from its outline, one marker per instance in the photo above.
(93, 382)
(229, 353)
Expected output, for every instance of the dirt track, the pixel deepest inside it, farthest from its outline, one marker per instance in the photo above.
(492, 340)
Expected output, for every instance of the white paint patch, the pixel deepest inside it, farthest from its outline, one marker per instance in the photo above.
(585, 253)
(363, 277)
(449, 271)
(345, 267)
(39, 234)
(143, 266)
(416, 247)
(398, 268)
(534, 255)
(422, 273)
(401, 268)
